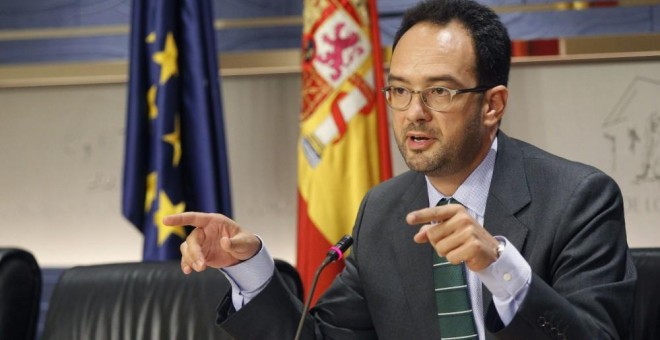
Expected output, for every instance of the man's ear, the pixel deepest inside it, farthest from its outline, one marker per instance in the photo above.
(494, 104)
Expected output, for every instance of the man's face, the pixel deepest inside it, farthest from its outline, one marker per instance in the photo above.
(438, 143)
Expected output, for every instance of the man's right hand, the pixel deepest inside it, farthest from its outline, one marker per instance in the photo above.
(217, 241)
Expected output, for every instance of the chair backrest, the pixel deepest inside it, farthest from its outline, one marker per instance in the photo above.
(20, 294)
(646, 315)
(138, 301)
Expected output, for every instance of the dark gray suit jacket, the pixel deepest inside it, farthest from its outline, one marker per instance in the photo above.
(565, 218)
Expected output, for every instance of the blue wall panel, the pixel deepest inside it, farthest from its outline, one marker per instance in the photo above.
(58, 14)
(64, 50)
(31, 14)
(245, 9)
(388, 28)
(595, 21)
(251, 39)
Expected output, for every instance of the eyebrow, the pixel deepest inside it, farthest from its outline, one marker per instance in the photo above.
(443, 78)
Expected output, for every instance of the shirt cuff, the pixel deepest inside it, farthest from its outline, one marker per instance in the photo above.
(248, 278)
(508, 280)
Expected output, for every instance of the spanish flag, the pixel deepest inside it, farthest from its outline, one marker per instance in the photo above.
(343, 148)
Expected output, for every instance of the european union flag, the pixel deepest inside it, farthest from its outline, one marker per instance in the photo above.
(175, 157)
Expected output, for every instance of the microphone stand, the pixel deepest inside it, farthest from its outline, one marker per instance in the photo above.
(308, 302)
(336, 252)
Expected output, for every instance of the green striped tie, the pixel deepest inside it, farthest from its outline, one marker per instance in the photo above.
(452, 297)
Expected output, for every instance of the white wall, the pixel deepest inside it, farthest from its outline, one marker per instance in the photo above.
(62, 153)
(61, 150)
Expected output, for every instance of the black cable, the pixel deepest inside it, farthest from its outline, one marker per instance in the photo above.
(309, 296)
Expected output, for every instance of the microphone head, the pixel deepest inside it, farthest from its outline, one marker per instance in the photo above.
(336, 252)
(345, 243)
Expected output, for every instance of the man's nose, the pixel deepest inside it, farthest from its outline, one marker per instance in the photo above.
(417, 110)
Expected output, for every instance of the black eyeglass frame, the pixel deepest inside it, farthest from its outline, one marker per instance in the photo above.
(452, 93)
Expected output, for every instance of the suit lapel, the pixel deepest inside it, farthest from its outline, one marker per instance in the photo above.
(414, 262)
(508, 194)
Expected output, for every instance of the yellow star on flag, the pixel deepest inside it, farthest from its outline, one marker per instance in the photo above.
(167, 59)
(151, 102)
(150, 193)
(151, 38)
(174, 138)
(165, 207)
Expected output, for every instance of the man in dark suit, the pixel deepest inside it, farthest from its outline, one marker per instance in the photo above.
(540, 241)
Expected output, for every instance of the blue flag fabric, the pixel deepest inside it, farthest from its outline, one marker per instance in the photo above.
(175, 157)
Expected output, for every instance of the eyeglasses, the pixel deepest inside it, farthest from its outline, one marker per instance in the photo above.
(436, 98)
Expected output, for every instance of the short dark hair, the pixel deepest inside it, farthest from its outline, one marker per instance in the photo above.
(491, 41)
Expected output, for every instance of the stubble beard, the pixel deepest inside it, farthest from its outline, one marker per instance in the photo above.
(448, 157)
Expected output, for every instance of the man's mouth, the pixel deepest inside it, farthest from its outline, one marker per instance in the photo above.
(419, 138)
(419, 142)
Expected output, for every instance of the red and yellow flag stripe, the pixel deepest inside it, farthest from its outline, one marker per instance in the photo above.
(343, 148)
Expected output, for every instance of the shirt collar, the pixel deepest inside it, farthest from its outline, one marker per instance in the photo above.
(473, 192)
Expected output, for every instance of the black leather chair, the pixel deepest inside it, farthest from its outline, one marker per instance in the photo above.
(20, 294)
(646, 315)
(141, 301)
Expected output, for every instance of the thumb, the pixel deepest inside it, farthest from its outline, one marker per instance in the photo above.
(422, 236)
(241, 246)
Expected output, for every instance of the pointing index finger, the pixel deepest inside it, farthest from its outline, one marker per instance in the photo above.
(432, 214)
(195, 219)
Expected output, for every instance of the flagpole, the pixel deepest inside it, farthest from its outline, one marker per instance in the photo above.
(381, 109)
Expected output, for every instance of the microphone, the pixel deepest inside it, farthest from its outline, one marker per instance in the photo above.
(335, 253)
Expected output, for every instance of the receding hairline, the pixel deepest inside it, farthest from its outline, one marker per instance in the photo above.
(472, 68)
(460, 23)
